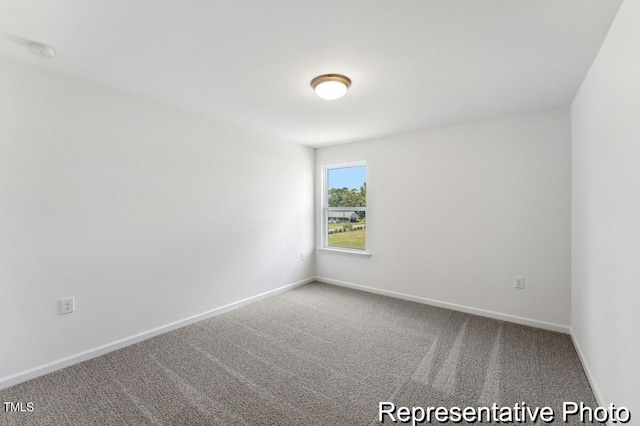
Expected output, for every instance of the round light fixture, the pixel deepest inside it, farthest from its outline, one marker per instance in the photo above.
(331, 86)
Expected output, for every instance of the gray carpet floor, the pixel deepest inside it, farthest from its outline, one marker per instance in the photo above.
(315, 355)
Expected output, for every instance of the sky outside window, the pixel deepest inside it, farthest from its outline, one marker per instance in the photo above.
(347, 177)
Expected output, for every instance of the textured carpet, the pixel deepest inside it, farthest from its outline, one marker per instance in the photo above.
(315, 355)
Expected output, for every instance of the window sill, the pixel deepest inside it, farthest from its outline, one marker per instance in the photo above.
(347, 252)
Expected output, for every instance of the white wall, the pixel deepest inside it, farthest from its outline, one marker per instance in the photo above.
(454, 213)
(146, 214)
(605, 118)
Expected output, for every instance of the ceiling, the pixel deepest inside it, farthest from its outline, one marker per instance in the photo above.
(414, 63)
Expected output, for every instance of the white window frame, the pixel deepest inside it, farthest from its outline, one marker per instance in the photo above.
(325, 209)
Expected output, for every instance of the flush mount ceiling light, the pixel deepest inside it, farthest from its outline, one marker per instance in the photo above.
(331, 86)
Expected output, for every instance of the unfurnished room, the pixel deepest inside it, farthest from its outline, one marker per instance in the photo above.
(319, 212)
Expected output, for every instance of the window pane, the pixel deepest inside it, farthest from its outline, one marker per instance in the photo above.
(347, 196)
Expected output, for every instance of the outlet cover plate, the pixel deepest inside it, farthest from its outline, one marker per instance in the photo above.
(518, 282)
(67, 305)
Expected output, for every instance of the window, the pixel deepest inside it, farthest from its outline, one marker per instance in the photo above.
(345, 206)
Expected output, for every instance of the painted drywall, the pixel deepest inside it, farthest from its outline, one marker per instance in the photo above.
(605, 117)
(454, 213)
(145, 214)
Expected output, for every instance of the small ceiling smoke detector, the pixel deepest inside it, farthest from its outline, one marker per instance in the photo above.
(331, 86)
(42, 50)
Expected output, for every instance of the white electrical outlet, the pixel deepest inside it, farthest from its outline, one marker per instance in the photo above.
(67, 305)
(518, 282)
(302, 258)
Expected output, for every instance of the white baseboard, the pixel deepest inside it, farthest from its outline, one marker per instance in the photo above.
(585, 367)
(40, 370)
(461, 308)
